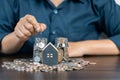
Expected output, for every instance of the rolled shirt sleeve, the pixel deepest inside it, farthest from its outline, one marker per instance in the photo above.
(7, 17)
(115, 21)
(112, 21)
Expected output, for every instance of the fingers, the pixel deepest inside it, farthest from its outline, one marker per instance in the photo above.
(31, 19)
(28, 26)
(38, 27)
(20, 35)
(21, 32)
(42, 27)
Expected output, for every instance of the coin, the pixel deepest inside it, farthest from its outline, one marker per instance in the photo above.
(41, 45)
(30, 66)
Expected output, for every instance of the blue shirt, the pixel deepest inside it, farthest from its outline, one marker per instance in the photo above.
(77, 20)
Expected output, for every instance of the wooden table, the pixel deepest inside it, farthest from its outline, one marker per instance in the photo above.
(107, 68)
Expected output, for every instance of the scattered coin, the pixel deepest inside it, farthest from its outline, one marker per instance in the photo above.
(30, 66)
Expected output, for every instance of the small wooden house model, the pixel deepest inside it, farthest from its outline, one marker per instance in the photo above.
(50, 54)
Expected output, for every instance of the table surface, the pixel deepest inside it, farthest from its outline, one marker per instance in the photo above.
(106, 68)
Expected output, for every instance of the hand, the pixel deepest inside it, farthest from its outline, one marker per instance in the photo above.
(75, 49)
(28, 26)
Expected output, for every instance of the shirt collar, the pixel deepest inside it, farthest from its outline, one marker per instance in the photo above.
(82, 1)
(77, 0)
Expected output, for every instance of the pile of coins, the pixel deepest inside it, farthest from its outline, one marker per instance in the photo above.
(29, 65)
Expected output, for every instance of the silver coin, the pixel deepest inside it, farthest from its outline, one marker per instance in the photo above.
(36, 58)
(41, 45)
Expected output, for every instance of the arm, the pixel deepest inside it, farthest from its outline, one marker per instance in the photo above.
(111, 16)
(93, 47)
(11, 44)
(25, 28)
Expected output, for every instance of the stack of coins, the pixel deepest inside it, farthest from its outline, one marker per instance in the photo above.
(60, 55)
(38, 46)
(62, 44)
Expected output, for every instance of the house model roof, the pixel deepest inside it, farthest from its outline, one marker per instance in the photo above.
(51, 45)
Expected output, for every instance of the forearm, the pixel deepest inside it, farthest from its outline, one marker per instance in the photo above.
(11, 44)
(26, 27)
(101, 47)
(94, 47)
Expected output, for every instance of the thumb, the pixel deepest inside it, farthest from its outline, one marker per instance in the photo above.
(42, 27)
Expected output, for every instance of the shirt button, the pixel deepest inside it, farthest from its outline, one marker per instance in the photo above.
(53, 32)
(55, 11)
